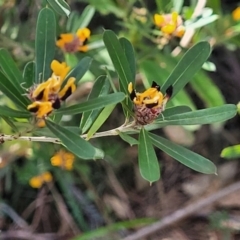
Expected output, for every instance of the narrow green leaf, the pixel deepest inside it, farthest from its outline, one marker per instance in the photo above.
(81, 68)
(60, 6)
(10, 69)
(84, 19)
(12, 93)
(74, 143)
(9, 112)
(45, 44)
(9, 121)
(186, 68)
(183, 155)
(207, 90)
(177, 5)
(148, 162)
(92, 104)
(130, 55)
(201, 22)
(199, 117)
(231, 152)
(103, 116)
(125, 137)
(174, 111)
(29, 74)
(100, 88)
(118, 58)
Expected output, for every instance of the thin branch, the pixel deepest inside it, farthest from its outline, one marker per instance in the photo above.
(183, 213)
(113, 132)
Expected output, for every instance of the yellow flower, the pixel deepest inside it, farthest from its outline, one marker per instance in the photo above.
(63, 159)
(60, 70)
(170, 24)
(236, 14)
(38, 181)
(72, 43)
(48, 95)
(41, 123)
(149, 104)
(68, 89)
(41, 109)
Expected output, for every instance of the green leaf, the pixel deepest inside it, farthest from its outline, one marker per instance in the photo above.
(186, 68)
(9, 121)
(201, 22)
(10, 69)
(45, 44)
(60, 6)
(29, 74)
(81, 68)
(130, 55)
(125, 137)
(100, 88)
(118, 58)
(207, 90)
(177, 5)
(199, 117)
(9, 112)
(105, 113)
(174, 111)
(12, 92)
(183, 155)
(148, 162)
(92, 104)
(84, 19)
(231, 152)
(74, 143)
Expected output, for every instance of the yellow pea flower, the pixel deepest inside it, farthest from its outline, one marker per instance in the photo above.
(41, 109)
(236, 14)
(72, 43)
(149, 104)
(170, 24)
(68, 89)
(38, 181)
(60, 70)
(63, 159)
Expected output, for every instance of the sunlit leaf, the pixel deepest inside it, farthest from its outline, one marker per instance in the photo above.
(45, 44)
(148, 162)
(74, 143)
(231, 152)
(125, 137)
(92, 104)
(100, 88)
(187, 67)
(84, 19)
(103, 116)
(60, 6)
(183, 155)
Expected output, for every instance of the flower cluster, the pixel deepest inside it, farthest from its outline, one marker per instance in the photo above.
(63, 159)
(149, 104)
(72, 43)
(48, 95)
(170, 24)
(38, 181)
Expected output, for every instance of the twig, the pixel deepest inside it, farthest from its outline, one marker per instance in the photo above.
(112, 132)
(13, 215)
(20, 234)
(183, 213)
